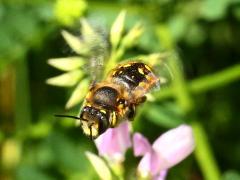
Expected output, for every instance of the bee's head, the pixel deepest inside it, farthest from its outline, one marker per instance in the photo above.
(94, 121)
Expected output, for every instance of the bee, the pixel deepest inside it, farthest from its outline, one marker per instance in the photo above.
(113, 100)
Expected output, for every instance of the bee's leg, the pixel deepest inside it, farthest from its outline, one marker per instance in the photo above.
(90, 129)
(113, 119)
(91, 132)
(131, 112)
(132, 107)
(141, 100)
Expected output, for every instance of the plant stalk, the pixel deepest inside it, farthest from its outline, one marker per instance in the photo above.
(204, 154)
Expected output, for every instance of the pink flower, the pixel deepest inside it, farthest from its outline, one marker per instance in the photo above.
(162, 175)
(140, 145)
(114, 142)
(168, 150)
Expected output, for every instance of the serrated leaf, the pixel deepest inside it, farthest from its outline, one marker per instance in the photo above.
(75, 43)
(66, 64)
(100, 166)
(87, 30)
(78, 94)
(117, 29)
(91, 37)
(131, 37)
(67, 79)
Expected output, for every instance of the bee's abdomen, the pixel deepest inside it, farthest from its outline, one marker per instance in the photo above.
(131, 74)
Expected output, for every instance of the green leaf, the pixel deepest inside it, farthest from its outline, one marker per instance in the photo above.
(177, 26)
(68, 154)
(117, 29)
(91, 38)
(231, 175)
(40, 129)
(100, 166)
(165, 36)
(78, 94)
(29, 172)
(67, 11)
(66, 64)
(75, 43)
(87, 31)
(196, 35)
(67, 79)
(1, 136)
(131, 37)
(167, 116)
(236, 12)
(10, 153)
(214, 9)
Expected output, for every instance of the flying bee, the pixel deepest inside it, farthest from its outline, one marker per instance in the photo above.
(115, 99)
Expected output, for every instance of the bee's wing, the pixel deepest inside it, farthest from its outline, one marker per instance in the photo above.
(99, 54)
(97, 44)
(161, 65)
(164, 73)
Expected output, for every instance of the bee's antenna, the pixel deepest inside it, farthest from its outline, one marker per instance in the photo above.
(68, 116)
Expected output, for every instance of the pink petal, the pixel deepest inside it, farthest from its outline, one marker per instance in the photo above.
(114, 142)
(174, 145)
(140, 145)
(103, 142)
(149, 165)
(162, 175)
(123, 134)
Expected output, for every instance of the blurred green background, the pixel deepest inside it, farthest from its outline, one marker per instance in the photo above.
(204, 93)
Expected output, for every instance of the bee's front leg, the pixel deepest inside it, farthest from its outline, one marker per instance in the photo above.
(141, 100)
(131, 112)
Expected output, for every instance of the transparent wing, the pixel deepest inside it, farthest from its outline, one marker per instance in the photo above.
(95, 40)
(91, 47)
(161, 65)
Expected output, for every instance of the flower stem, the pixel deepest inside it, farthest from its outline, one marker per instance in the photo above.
(206, 83)
(215, 80)
(179, 86)
(22, 105)
(204, 153)
(118, 170)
